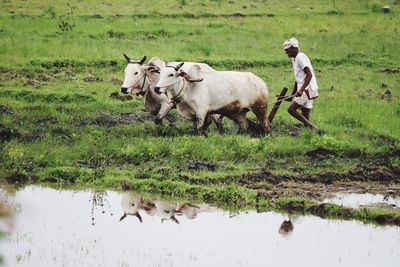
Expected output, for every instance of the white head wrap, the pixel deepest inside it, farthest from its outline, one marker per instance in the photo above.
(290, 42)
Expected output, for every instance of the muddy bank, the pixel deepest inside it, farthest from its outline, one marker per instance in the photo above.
(379, 174)
(373, 174)
(104, 119)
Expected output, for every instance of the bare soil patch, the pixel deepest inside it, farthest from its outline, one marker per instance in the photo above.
(7, 134)
(104, 119)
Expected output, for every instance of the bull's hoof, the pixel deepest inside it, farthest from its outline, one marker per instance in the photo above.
(158, 121)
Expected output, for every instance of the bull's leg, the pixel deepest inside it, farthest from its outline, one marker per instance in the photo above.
(164, 109)
(262, 118)
(218, 122)
(200, 124)
(207, 122)
(241, 120)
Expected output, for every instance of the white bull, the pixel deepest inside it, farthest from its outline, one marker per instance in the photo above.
(229, 93)
(140, 79)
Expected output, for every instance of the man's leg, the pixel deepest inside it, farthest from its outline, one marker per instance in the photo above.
(293, 111)
(306, 113)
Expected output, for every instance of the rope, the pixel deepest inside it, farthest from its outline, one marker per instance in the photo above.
(170, 84)
(144, 77)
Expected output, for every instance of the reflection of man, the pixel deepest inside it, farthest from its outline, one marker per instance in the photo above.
(286, 228)
(305, 86)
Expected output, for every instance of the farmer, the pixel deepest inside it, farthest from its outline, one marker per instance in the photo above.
(305, 87)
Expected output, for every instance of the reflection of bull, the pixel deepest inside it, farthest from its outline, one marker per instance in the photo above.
(189, 210)
(131, 204)
(167, 211)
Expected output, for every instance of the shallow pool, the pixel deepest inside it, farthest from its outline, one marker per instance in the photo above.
(84, 228)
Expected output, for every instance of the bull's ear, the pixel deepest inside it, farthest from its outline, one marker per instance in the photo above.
(155, 61)
(143, 60)
(139, 217)
(182, 73)
(126, 57)
(151, 69)
(123, 217)
(179, 66)
(190, 78)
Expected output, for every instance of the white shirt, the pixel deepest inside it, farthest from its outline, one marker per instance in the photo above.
(299, 63)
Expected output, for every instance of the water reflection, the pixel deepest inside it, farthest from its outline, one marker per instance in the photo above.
(286, 228)
(133, 204)
(6, 218)
(53, 228)
(356, 200)
(98, 198)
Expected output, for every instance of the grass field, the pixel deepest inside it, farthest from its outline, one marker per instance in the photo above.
(61, 61)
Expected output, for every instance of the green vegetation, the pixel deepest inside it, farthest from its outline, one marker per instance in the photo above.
(61, 61)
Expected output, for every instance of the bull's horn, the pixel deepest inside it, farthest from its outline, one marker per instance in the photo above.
(143, 60)
(123, 217)
(174, 219)
(127, 58)
(139, 217)
(195, 80)
(179, 66)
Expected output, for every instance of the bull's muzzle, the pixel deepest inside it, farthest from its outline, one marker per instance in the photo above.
(124, 90)
(157, 90)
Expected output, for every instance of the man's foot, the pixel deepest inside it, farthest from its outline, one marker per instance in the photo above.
(298, 125)
(320, 132)
(158, 121)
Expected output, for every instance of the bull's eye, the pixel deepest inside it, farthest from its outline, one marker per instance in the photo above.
(170, 75)
(136, 73)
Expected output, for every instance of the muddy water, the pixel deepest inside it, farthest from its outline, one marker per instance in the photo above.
(82, 228)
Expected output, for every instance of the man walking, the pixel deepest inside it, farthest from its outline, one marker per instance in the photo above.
(305, 86)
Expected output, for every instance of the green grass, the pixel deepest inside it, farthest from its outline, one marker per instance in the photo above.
(47, 52)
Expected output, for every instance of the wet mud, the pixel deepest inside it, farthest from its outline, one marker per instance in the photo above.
(7, 133)
(391, 70)
(201, 165)
(92, 79)
(6, 110)
(117, 96)
(104, 119)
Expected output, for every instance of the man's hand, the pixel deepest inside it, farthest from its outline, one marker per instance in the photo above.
(299, 93)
